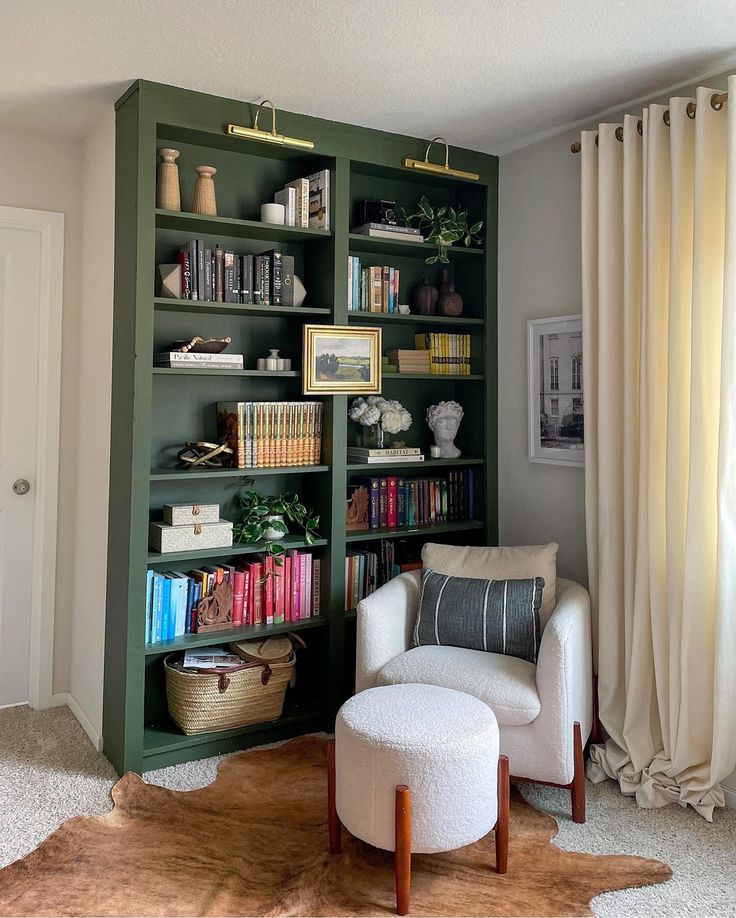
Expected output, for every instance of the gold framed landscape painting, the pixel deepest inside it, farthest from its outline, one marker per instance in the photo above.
(341, 360)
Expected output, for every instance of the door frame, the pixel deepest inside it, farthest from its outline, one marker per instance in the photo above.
(50, 227)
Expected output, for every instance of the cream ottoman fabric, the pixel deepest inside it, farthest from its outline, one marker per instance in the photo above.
(441, 743)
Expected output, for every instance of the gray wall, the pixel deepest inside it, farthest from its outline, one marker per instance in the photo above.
(539, 276)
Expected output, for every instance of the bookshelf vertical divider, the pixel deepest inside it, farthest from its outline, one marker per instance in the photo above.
(155, 413)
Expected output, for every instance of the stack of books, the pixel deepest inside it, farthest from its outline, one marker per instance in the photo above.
(395, 502)
(367, 570)
(409, 361)
(189, 360)
(372, 289)
(387, 231)
(218, 275)
(264, 593)
(306, 201)
(375, 456)
(448, 355)
(271, 434)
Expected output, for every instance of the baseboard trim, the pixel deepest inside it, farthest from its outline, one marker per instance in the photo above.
(730, 794)
(66, 698)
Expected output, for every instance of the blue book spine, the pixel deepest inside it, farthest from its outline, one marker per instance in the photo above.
(166, 610)
(391, 304)
(401, 502)
(177, 605)
(196, 596)
(158, 602)
(149, 605)
(356, 283)
(190, 600)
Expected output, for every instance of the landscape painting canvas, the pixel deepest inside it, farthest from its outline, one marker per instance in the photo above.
(341, 359)
(556, 417)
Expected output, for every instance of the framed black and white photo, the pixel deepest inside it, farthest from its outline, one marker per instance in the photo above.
(556, 419)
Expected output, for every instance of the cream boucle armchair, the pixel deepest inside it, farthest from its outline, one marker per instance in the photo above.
(544, 712)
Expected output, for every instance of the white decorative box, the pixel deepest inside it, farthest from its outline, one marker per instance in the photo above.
(165, 538)
(183, 514)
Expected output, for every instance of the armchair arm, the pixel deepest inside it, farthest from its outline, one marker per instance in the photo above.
(385, 622)
(565, 666)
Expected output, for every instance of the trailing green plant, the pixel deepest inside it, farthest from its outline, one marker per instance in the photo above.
(255, 510)
(442, 227)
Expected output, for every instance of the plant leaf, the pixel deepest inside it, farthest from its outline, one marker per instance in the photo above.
(476, 227)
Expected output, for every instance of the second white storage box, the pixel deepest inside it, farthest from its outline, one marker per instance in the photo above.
(181, 514)
(192, 537)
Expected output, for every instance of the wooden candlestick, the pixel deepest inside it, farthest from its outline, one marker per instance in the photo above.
(168, 196)
(204, 192)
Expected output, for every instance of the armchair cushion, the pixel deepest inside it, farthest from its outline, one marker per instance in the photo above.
(507, 685)
(501, 616)
(499, 563)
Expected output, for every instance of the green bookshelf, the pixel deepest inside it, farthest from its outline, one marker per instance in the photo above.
(157, 410)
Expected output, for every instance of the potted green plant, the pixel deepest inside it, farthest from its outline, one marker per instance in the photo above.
(262, 519)
(442, 227)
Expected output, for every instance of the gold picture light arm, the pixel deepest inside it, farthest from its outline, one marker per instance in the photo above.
(426, 166)
(255, 133)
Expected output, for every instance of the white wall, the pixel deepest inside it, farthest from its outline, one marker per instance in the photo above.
(46, 174)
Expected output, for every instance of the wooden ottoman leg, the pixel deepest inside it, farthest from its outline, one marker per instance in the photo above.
(502, 823)
(333, 820)
(577, 788)
(403, 848)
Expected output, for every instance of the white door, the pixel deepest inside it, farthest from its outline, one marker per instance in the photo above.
(30, 323)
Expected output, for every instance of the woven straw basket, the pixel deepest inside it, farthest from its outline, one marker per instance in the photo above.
(204, 701)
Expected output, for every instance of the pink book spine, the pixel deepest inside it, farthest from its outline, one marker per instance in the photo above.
(238, 598)
(287, 589)
(278, 594)
(246, 598)
(307, 580)
(268, 591)
(296, 591)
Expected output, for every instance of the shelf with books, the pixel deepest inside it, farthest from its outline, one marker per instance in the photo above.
(207, 307)
(406, 249)
(184, 474)
(430, 529)
(442, 377)
(200, 371)
(239, 229)
(156, 558)
(425, 466)
(250, 632)
(396, 318)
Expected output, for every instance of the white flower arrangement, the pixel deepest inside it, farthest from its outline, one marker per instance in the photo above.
(375, 409)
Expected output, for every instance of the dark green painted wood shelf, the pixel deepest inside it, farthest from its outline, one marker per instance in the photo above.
(248, 633)
(431, 529)
(155, 410)
(184, 474)
(207, 307)
(176, 557)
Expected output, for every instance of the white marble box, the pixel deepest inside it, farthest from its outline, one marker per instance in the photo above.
(182, 514)
(193, 537)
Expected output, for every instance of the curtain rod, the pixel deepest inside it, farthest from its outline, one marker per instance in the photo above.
(717, 101)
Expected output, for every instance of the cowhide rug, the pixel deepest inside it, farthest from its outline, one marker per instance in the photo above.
(255, 843)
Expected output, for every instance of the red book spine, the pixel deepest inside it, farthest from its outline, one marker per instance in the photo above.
(246, 598)
(392, 500)
(268, 591)
(238, 598)
(383, 504)
(287, 589)
(257, 594)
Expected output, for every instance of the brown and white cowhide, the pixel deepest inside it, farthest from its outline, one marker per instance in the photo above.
(255, 843)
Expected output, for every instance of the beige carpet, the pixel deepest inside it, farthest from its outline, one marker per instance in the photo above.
(254, 842)
(50, 772)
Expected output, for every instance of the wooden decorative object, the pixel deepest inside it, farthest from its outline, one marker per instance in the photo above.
(170, 281)
(502, 820)
(168, 196)
(403, 848)
(215, 612)
(204, 192)
(199, 345)
(424, 299)
(204, 454)
(357, 511)
(450, 303)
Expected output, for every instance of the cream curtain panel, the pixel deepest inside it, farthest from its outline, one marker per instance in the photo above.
(659, 342)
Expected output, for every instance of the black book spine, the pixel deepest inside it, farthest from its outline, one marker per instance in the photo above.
(229, 281)
(276, 278)
(198, 261)
(256, 288)
(266, 280)
(186, 274)
(287, 280)
(246, 284)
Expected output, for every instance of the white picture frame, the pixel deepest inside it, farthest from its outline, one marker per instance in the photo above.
(555, 383)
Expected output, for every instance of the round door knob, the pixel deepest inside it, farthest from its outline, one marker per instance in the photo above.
(21, 486)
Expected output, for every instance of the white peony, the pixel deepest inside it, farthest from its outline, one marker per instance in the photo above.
(394, 421)
(357, 410)
(372, 416)
(378, 410)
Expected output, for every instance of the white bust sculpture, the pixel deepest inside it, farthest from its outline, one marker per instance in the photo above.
(444, 420)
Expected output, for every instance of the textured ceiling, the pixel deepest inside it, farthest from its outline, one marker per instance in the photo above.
(489, 75)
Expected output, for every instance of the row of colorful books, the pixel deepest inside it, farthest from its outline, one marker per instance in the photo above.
(368, 569)
(271, 434)
(263, 593)
(220, 276)
(395, 501)
(448, 354)
(372, 289)
(306, 201)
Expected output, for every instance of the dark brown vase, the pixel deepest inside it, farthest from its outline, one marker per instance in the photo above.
(424, 299)
(449, 303)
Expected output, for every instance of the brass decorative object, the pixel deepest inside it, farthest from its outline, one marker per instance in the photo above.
(204, 201)
(197, 345)
(215, 612)
(204, 455)
(168, 196)
(425, 165)
(256, 133)
(170, 281)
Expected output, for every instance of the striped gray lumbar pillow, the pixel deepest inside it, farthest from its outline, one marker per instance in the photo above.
(500, 616)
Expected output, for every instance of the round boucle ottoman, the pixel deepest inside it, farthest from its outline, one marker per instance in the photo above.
(415, 768)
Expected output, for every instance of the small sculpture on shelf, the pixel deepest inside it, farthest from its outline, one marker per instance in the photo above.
(202, 454)
(169, 281)
(197, 345)
(356, 517)
(204, 201)
(424, 299)
(215, 612)
(450, 302)
(168, 196)
(444, 421)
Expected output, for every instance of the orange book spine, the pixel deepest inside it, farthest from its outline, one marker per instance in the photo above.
(260, 439)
